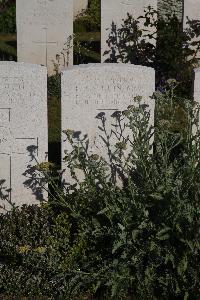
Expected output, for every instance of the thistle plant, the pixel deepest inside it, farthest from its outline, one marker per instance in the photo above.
(129, 227)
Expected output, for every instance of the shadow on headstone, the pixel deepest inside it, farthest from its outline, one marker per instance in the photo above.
(36, 180)
(5, 196)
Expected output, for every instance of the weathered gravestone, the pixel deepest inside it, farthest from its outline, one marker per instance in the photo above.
(196, 92)
(23, 128)
(192, 12)
(115, 11)
(89, 90)
(43, 28)
(79, 6)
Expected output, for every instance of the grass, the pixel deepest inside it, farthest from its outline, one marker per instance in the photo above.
(8, 46)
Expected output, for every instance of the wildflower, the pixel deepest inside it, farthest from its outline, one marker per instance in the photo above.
(44, 166)
(94, 156)
(121, 146)
(68, 131)
(24, 249)
(126, 113)
(40, 250)
(138, 99)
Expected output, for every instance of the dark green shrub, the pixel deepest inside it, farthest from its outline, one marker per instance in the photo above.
(8, 20)
(90, 19)
(142, 240)
(36, 252)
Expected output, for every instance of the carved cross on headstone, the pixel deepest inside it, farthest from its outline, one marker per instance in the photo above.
(47, 43)
(12, 146)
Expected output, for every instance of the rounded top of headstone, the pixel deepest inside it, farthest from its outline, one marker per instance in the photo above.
(5, 62)
(108, 67)
(17, 69)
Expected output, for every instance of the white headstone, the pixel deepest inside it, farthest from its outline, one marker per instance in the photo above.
(80, 6)
(197, 85)
(192, 12)
(115, 11)
(23, 126)
(88, 90)
(43, 28)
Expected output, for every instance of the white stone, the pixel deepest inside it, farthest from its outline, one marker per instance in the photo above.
(192, 11)
(197, 85)
(196, 92)
(79, 6)
(115, 11)
(23, 123)
(43, 28)
(88, 90)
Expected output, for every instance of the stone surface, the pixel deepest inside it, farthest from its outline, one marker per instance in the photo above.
(197, 85)
(115, 11)
(43, 28)
(191, 10)
(88, 90)
(79, 6)
(23, 126)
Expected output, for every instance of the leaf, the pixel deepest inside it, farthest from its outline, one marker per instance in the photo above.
(186, 296)
(135, 234)
(163, 234)
(121, 226)
(170, 258)
(103, 211)
(117, 246)
(156, 196)
(164, 237)
(182, 267)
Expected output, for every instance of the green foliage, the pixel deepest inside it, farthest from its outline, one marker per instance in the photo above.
(129, 229)
(54, 86)
(8, 20)
(143, 239)
(90, 20)
(36, 251)
(170, 7)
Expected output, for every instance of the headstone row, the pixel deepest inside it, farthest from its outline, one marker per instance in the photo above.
(87, 90)
(45, 27)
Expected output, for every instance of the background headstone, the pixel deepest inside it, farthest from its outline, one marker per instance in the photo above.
(197, 85)
(191, 10)
(43, 28)
(79, 6)
(23, 127)
(115, 11)
(88, 90)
